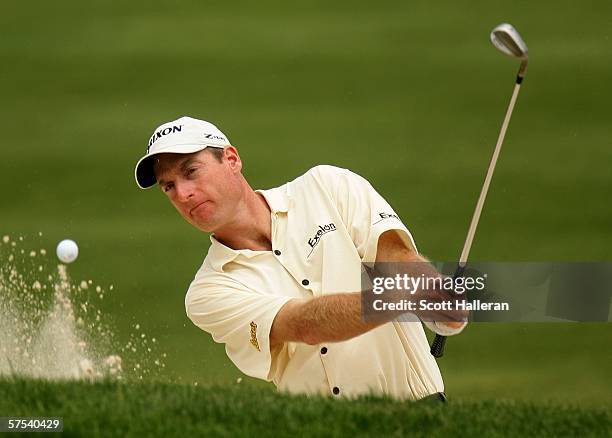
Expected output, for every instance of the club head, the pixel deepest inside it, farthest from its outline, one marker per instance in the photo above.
(507, 40)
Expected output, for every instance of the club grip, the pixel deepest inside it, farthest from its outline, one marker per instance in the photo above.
(437, 346)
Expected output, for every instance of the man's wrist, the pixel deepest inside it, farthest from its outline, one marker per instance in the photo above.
(449, 328)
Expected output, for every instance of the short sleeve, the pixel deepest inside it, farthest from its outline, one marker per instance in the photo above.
(238, 317)
(365, 213)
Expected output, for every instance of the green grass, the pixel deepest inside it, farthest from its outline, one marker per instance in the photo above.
(409, 94)
(148, 409)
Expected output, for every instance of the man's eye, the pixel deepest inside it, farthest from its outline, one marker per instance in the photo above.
(190, 171)
(167, 187)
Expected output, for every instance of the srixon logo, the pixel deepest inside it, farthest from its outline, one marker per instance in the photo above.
(323, 229)
(159, 134)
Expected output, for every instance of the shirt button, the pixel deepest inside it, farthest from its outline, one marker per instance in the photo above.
(324, 350)
(305, 282)
(336, 390)
(277, 252)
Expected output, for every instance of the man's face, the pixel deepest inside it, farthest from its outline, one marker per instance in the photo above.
(203, 190)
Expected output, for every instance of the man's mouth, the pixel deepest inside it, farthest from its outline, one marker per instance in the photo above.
(196, 207)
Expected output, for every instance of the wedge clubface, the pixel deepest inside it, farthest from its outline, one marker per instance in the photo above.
(507, 40)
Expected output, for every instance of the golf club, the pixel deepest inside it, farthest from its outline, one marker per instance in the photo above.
(507, 40)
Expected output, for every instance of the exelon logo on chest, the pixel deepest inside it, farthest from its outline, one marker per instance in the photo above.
(323, 229)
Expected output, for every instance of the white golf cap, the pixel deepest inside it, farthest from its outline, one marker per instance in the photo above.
(181, 136)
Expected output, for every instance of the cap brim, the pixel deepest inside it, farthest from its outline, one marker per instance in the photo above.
(145, 172)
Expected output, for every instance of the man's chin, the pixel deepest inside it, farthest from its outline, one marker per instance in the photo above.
(206, 227)
(203, 224)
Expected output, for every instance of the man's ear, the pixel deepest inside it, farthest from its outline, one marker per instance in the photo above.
(231, 155)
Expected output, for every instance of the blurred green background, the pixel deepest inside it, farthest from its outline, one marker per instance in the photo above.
(410, 95)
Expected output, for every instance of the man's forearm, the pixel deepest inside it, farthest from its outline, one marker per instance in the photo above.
(338, 317)
(332, 318)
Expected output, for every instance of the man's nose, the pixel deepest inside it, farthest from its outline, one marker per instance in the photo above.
(184, 191)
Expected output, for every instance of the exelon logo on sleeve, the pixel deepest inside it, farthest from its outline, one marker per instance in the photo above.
(384, 216)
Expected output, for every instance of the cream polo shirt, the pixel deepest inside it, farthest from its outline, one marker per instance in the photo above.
(324, 224)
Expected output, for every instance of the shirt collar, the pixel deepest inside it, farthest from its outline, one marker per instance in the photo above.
(277, 199)
(220, 255)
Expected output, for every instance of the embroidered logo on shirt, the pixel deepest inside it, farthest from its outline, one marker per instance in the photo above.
(323, 229)
(254, 341)
(384, 216)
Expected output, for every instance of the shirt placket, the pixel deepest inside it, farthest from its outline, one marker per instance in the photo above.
(279, 247)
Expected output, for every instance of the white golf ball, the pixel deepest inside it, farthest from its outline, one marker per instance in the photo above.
(67, 251)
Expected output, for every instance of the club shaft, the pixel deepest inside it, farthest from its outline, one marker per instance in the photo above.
(437, 347)
(485, 187)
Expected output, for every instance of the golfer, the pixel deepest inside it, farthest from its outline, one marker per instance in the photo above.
(280, 283)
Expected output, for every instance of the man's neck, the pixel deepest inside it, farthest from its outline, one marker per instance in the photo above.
(251, 227)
